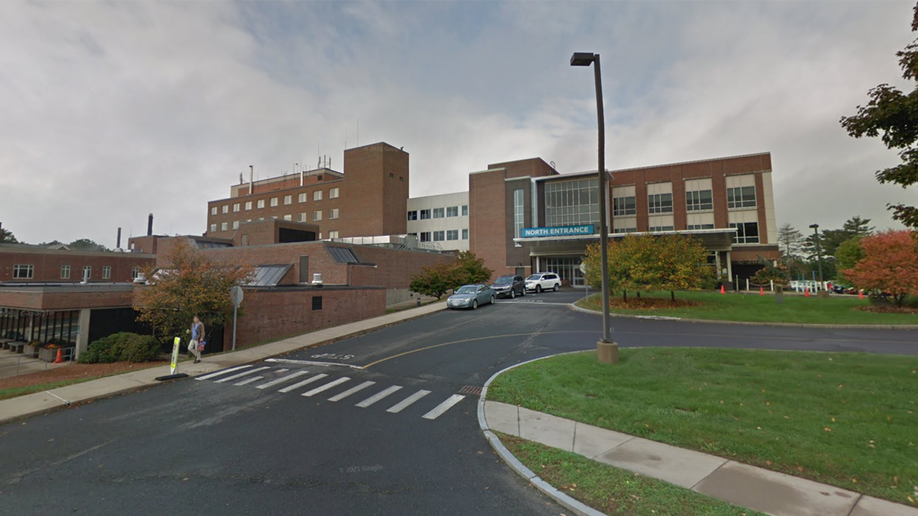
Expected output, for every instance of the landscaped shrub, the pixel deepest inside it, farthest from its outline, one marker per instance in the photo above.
(121, 347)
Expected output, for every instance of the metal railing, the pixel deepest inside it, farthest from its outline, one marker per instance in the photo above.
(19, 359)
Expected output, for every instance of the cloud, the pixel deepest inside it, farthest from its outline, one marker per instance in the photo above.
(114, 110)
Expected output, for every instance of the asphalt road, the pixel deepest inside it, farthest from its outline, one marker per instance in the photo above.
(214, 447)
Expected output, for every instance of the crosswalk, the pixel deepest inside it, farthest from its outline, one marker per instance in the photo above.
(321, 384)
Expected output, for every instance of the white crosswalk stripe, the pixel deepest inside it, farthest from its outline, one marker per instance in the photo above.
(240, 375)
(443, 407)
(378, 396)
(402, 405)
(250, 380)
(323, 388)
(352, 390)
(304, 382)
(219, 373)
(281, 380)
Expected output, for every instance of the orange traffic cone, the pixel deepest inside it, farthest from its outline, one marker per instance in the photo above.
(806, 292)
(761, 291)
(722, 290)
(60, 357)
(860, 294)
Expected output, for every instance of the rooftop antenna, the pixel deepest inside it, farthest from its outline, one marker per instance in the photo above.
(301, 174)
(358, 132)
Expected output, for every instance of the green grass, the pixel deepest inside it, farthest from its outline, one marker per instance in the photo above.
(847, 419)
(756, 308)
(13, 392)
(612, 490)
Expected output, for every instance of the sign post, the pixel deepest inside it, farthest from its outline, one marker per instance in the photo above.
(176, 344)
(236, 294)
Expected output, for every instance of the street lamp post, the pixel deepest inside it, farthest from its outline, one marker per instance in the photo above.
(606, 349)
(818, 250)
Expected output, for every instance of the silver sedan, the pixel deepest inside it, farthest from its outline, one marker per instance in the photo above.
(471, 296)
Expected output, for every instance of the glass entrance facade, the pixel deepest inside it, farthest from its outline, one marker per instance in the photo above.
(568, 267)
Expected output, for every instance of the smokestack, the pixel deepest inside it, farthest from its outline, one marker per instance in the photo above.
(150, 225)
(118, 242)
(251, 178)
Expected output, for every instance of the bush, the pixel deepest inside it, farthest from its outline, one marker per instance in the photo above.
(121, 347)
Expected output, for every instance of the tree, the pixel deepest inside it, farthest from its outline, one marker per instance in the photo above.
(890, 114)
(848, 254)
(858, 227)
(470, 269)
(682, 262)
(7, 237)
(434, 281)
(790, 242)
(890, 264)
(85, 244)
(194, 284)
(770, 273)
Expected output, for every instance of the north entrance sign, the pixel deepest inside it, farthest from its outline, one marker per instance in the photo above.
(558, 231)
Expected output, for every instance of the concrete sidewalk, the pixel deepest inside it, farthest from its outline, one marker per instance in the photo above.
(740, 484)
(32, 404)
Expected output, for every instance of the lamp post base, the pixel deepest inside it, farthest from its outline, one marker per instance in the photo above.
(607, 352)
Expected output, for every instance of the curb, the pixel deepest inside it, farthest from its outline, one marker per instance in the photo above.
(566, 501)
(576, 308)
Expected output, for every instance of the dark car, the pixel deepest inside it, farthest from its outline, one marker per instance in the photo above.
(840, 289)
(509, 286)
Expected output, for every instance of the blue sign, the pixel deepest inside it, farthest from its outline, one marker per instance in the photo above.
(559, 231)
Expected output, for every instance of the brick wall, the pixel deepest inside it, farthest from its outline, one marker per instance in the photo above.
(38, 298)
(47, 264)
(375, 194)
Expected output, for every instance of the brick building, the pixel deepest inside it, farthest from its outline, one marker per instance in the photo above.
(21, 263)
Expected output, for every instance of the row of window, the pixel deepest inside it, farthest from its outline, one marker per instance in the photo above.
(27, 271)
(333, 193)
(699, 200)
(746, 232)
(300, 217)
(438, 213)
(440, 236)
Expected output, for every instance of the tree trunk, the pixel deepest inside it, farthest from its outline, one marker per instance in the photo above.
(625, 296)
(672, 295)
(639, 294)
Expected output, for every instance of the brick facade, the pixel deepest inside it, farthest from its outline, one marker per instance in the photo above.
(47, 264)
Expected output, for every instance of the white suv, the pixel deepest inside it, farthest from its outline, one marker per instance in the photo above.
(543, 281)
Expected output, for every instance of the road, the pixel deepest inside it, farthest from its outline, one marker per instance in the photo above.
(223, 445)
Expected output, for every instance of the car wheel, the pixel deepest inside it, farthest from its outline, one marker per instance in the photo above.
(492, 300)
(523, 292)
(557, 287)
(538, 289)
(512, 293)
(475, 304)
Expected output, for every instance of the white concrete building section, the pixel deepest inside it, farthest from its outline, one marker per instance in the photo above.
(440, 221)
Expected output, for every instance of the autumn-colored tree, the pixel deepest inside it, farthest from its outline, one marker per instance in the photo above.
(770, 272)
(468, 269)
(682, 263)
(192, 284)
(890, 264)
(434, 280)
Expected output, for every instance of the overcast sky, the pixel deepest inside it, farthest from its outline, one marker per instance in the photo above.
(110, 111)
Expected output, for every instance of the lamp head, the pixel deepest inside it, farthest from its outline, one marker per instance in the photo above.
(582, 59)
(814, 226)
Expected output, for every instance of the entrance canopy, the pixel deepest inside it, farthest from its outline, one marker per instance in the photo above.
(713, 240)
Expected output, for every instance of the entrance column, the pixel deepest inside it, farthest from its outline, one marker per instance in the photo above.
(717, 263)
(729, 267)
(82, 340)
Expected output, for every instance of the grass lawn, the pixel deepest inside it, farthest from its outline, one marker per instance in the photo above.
(756, 308)
(847, 419)
(612, 490)
(12, 392)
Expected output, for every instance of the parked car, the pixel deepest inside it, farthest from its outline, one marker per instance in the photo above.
(839, 289)
(509, 286)
(471, 296)
(542, 281)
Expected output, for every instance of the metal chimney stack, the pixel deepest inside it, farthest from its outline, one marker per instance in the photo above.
(150, 225)
(251, 178)
(118, 242)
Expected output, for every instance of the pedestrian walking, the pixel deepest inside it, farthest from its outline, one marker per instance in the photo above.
(197, 338)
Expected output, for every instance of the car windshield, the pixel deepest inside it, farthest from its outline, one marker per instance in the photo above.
(504, 280)
(468, 289)
(534, 277)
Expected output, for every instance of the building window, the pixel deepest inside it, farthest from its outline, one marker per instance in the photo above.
(273, 202)
(518, 209)
(225, 209)
(438, 213)
(660, 203)
(261, 203)
(741, 197)
(316, 302)
(316, 216)
(465, 210)
(235, 224)
(699, 200)
(65, 272)
(425, 214)
(746, 232)
(302, 217)
(317, 195)
(245, 240)
(106, 272)
(87, 272)
(273, 217)
(402, 179)
(569, 203)
(235, 207)
(624, 230)
(213, 227)
(452, 234)
(286, 217)
(23, 271)
(333, 213)
(213, 210)
(452, 211)
(223, 226)
(332, 234)
(439, 236)
(655, 229)
(301, 197)
(333, 193)
(288, 200)
(622, 206)
(692, 227)
(465, 234)
(391, 175)
(413, 215)
(248, 205)
(425, 236)
(135, 272)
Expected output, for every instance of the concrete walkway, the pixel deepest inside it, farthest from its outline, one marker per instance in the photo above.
(32, 404)
(740, 484)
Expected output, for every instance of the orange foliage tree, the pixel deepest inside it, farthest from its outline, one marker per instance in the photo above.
(193, 284)
(890, 264)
